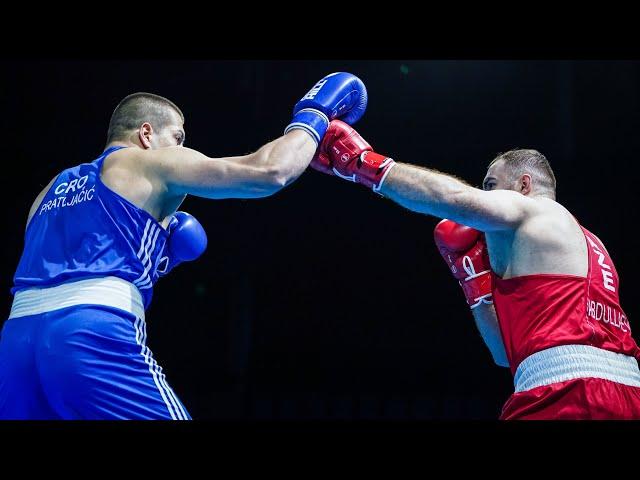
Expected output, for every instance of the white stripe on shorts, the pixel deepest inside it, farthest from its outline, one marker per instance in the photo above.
(173, 404)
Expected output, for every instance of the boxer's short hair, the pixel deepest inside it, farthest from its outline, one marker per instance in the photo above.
(521, 161)
(137, 108)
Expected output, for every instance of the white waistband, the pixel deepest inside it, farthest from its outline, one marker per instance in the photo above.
(566, 362)
(109, 291)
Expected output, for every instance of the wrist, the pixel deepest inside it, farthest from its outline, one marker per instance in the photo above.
(372, 170)
(312, 121)
(484, 299)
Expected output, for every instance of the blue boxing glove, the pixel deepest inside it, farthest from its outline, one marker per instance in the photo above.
(338, 95)
(187, 241)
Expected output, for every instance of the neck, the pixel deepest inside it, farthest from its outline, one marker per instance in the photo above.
(548, 195)
(121, 143)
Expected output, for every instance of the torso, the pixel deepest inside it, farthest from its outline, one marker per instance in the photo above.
(82, 227)
(549, 242)
(554, 284)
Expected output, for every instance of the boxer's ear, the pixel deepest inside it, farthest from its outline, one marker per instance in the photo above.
(524, 184)
(144, 134)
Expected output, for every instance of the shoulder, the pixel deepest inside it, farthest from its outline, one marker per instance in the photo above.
(551, 218)
(514, 205)
(552, 209)
(155, 161)
(513, 197)
(131, 161)
(123, 157)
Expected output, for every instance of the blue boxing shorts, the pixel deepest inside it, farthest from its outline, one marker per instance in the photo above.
(78, 351)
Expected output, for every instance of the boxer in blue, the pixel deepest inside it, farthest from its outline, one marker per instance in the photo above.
(101, 234)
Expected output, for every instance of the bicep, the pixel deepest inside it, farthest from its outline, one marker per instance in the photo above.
(187, 171)
(490, 211)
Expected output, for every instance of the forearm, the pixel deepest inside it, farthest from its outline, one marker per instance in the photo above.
(259, 174)
(279, 162)
(487, 323)
(427, 191)
(286, 157)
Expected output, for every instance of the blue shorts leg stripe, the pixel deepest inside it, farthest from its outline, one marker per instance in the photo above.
(182, 415)
(170, 402)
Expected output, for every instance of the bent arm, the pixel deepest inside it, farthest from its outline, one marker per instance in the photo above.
(259, 174)
(445, 196)
(487, 322)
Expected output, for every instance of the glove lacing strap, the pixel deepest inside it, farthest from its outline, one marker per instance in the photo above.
(391, 162)
(467, 264)
(388, 162)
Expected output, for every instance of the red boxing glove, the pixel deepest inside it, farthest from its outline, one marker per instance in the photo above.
(465, 251)
(344, 153)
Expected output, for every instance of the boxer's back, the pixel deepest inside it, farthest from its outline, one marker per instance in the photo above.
(555, 284)
(81, 228)
(550, 241)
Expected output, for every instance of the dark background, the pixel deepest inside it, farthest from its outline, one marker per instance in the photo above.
(326, 301)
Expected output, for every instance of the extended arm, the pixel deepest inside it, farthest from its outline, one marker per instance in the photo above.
(344, 153)
(445, 196)
(262, 173)
(278, 163)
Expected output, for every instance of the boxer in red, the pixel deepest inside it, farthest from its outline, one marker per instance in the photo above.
(543, 290)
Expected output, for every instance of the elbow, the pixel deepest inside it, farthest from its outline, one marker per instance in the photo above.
(281, 179)
(273, 180)
(459, 199)
(501, 361)
(270, 177)
(277, 179)
(280, 169)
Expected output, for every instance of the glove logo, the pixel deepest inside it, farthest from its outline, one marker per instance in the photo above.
(345, 157)
(453, 267)
(314, 91)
